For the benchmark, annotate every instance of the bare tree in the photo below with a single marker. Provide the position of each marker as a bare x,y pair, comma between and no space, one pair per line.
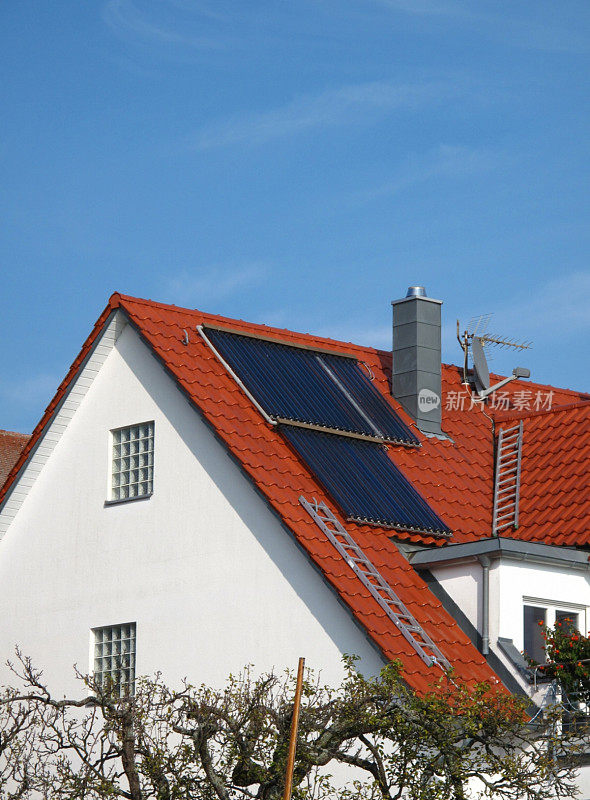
18,723
231,744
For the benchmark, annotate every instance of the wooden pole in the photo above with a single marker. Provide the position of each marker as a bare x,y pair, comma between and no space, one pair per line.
294,729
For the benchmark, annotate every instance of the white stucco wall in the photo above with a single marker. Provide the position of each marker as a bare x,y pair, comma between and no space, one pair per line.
462,582
538,584
203,567
513,584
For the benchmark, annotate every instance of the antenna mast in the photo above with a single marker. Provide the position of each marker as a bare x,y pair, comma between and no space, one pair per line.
476,340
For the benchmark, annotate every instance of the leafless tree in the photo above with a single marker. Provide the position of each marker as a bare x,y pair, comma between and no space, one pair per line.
200,743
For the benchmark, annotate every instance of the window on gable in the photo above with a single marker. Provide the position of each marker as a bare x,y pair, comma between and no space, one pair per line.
114,658
133,462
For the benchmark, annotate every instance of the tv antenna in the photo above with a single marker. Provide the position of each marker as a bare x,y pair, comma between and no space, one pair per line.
476,340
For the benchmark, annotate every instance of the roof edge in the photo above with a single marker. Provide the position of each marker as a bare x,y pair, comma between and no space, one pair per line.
510,416
78,363
513,549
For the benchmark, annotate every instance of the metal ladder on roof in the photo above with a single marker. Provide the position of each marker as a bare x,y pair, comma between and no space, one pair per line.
507,479
362,566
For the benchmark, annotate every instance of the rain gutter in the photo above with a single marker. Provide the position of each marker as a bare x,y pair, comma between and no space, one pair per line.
511,549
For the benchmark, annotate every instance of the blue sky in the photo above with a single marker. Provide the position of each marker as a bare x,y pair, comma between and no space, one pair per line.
297,163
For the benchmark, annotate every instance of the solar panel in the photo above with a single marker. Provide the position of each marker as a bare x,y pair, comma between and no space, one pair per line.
311,387
364,481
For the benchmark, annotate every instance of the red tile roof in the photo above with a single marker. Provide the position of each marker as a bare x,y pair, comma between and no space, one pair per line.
11,446
555,478
454,475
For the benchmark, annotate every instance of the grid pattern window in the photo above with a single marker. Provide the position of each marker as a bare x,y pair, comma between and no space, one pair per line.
133,461
114,658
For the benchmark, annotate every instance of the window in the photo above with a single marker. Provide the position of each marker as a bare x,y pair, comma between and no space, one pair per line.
114,658
539,613
133,462
568,619
534,618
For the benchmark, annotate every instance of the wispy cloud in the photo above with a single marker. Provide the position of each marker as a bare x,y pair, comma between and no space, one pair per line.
128,21
427,8
545,29
551,37
214,282
208,10
554,315
558,309
444,161
350,104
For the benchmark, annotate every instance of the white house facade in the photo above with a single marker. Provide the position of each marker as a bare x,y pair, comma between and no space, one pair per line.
161,516
201,566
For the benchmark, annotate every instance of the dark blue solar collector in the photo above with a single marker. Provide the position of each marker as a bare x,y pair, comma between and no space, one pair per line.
364,481
309,386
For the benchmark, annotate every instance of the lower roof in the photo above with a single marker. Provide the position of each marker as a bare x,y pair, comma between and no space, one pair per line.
11,446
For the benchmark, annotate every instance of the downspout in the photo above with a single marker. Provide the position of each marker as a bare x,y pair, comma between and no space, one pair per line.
485,605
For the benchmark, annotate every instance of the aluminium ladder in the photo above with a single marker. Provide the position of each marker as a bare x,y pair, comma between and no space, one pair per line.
507,479
361,565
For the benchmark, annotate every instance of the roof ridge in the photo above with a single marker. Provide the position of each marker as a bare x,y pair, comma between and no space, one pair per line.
318,341
509,416
310,338
259,326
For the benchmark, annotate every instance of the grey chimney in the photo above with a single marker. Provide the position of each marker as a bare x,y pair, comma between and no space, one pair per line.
416,373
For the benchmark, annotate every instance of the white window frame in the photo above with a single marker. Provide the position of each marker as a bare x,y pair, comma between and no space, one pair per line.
97,655
113,496
552,607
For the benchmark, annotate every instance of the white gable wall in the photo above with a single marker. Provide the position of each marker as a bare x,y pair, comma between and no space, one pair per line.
203,567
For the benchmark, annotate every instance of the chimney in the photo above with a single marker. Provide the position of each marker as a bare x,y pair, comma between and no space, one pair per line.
416,373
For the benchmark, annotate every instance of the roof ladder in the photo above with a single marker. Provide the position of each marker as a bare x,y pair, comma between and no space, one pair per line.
507,480
361,565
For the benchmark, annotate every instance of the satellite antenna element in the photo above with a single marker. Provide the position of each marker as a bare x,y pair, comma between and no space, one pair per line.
473,340
481,372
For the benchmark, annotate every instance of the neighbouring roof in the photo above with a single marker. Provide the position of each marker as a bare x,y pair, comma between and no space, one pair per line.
454,475
11,446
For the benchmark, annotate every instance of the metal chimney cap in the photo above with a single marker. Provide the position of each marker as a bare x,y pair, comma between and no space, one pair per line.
416,291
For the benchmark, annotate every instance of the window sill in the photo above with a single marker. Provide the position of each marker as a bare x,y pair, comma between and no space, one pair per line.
127,500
